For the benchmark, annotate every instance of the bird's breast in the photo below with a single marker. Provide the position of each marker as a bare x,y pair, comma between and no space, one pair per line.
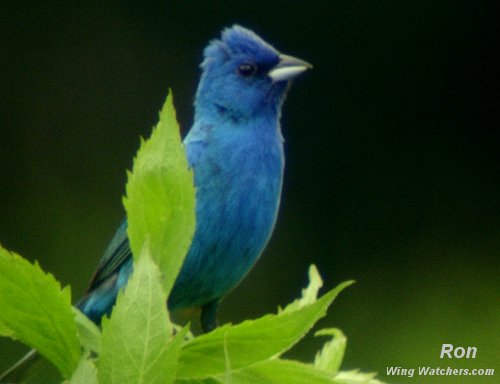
238,187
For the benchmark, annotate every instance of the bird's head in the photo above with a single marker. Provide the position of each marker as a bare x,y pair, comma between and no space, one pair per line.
244,76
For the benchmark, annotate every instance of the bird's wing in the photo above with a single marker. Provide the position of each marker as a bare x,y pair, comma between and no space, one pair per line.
115,255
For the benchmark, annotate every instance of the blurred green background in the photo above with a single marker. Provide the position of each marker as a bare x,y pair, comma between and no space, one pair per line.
392,167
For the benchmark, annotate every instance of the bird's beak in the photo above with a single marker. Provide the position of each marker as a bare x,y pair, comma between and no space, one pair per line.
288,68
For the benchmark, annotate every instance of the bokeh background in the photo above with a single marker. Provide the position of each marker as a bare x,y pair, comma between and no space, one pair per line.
392,166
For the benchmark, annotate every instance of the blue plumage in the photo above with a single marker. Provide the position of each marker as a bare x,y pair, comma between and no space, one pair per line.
235,148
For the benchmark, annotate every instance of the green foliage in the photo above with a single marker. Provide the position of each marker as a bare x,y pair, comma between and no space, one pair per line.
254,341
160,200
35,310
138,343
5,331
85,373
330,357
88,333
279,371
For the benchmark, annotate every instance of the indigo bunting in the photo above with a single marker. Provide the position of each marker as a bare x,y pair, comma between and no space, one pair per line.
235,148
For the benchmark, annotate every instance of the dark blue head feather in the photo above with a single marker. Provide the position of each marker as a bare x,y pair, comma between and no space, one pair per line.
239,41
222,87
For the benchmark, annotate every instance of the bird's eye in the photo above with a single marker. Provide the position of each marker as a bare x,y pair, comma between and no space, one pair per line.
247,69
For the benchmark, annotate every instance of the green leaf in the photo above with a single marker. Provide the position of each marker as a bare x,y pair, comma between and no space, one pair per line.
310,293
136,343
331,356
85,373
38,312
251,341
356,377
160,200
6,331
88,333
279,371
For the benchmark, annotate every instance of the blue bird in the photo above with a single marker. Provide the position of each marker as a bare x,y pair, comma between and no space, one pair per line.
235,148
